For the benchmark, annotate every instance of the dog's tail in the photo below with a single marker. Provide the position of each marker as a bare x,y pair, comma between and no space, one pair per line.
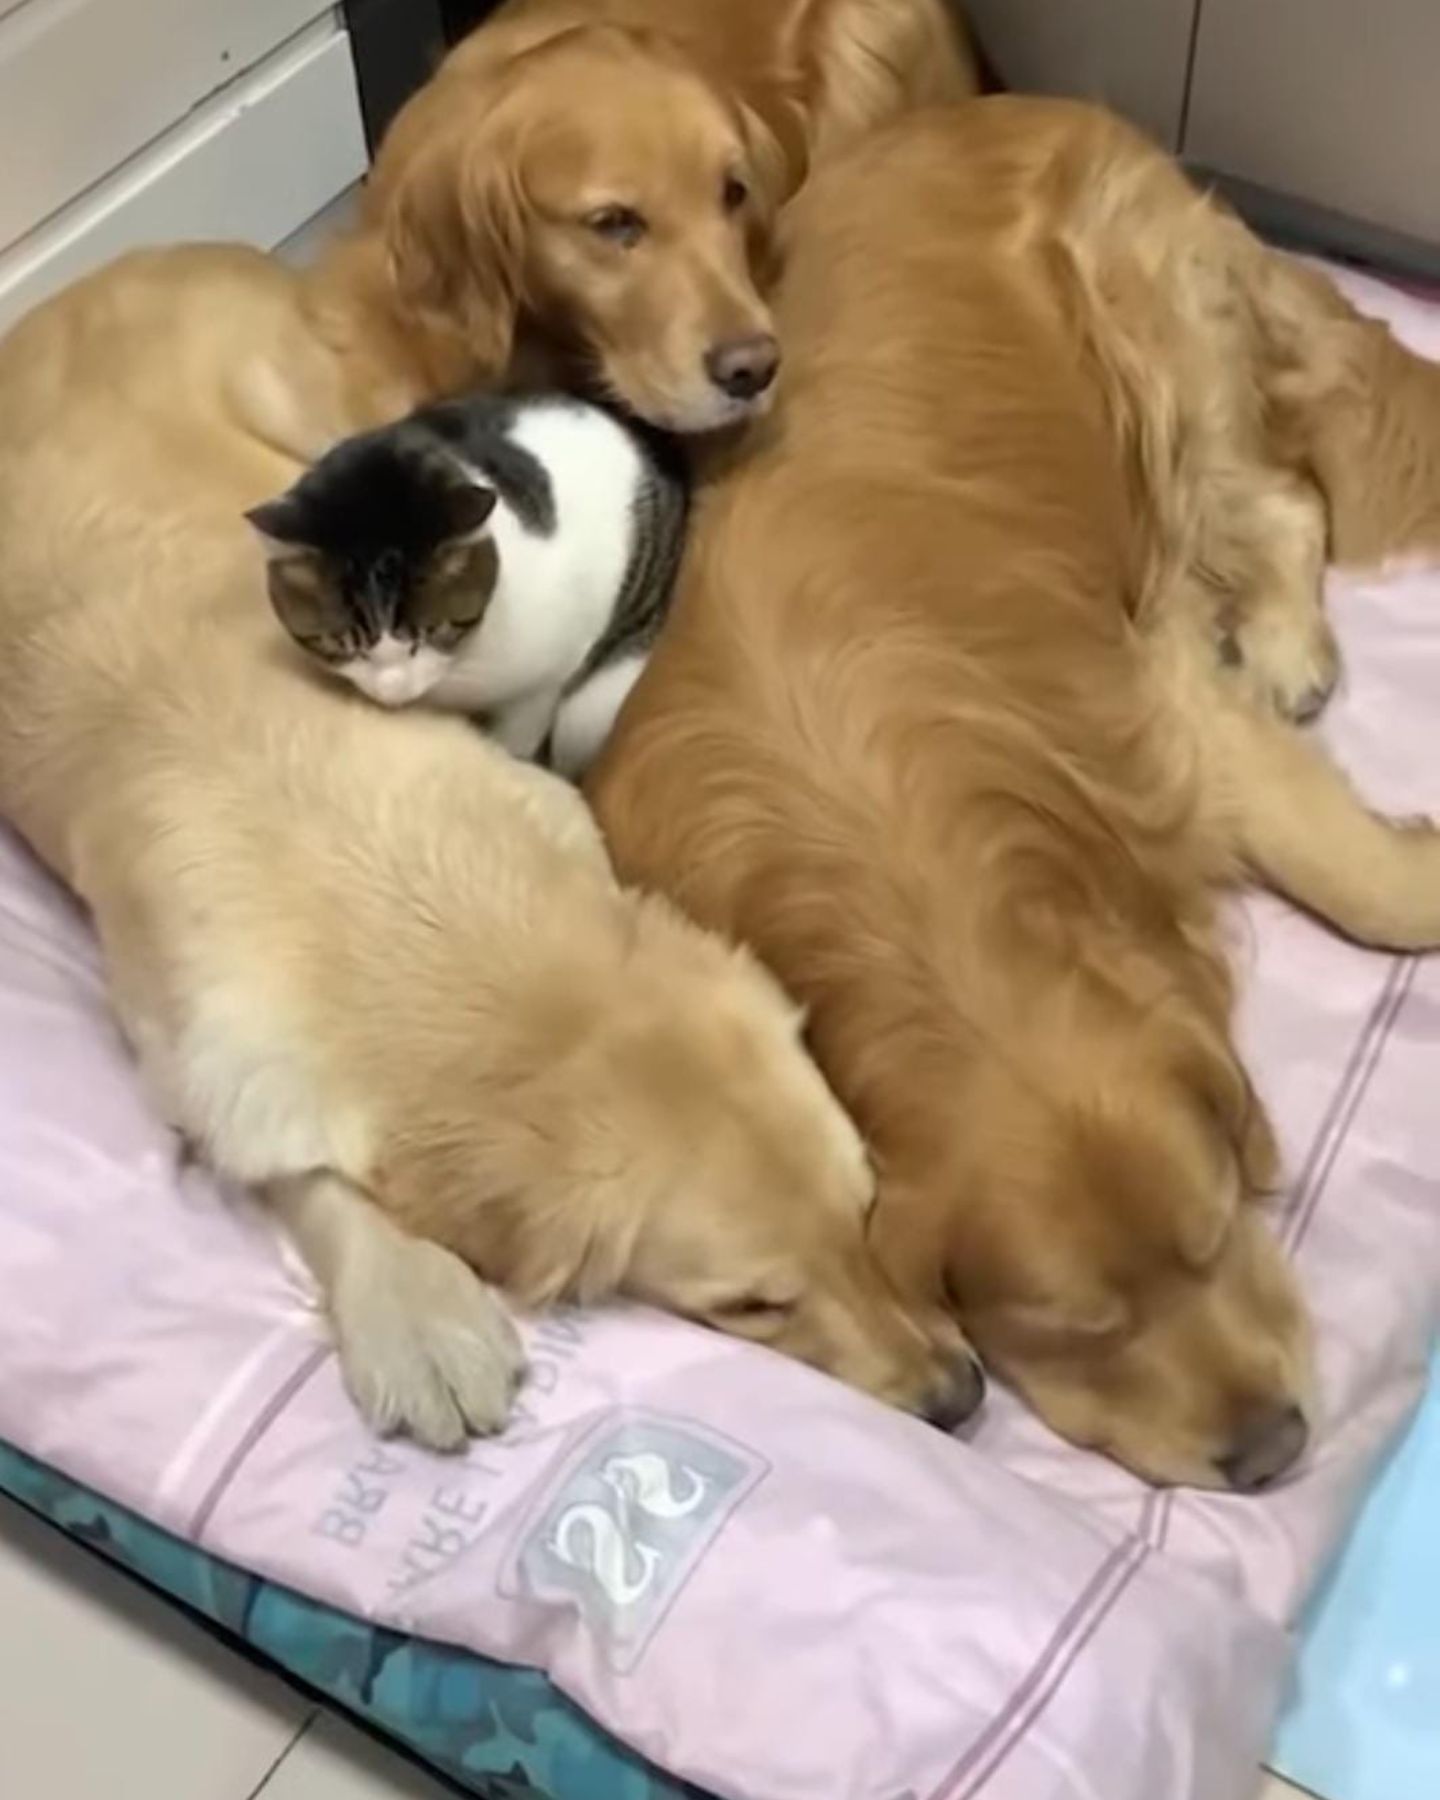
1357,409
1303,830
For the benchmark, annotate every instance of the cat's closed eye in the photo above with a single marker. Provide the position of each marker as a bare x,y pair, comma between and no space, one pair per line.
451,565
459,586
326,647
301,597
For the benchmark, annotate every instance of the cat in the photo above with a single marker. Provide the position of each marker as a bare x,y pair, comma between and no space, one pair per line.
509,558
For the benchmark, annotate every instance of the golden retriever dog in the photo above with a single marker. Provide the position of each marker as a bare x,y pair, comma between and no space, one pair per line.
491,237
966,720
371,966
316,928
586,192
591,210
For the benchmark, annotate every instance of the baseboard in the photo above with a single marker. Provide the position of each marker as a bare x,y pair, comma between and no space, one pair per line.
1302,225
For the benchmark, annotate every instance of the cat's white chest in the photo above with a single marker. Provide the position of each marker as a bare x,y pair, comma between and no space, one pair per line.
556,591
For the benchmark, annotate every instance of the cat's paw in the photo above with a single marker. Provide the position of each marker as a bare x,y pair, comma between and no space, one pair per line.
1289,664
427,1349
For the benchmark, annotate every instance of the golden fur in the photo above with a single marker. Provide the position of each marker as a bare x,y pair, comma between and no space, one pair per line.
366,959
472,202
370,965
972,708
821,74
475,232
478,229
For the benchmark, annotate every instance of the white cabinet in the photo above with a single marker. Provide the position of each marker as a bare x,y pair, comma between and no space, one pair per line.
125,122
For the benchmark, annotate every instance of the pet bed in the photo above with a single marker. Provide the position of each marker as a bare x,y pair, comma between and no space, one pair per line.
752,1579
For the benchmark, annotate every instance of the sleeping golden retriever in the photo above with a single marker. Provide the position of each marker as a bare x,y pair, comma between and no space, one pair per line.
371,966
327,930
973,707
587,189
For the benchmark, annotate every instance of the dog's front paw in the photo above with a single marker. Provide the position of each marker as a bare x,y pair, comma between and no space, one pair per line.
1290,665
427,1349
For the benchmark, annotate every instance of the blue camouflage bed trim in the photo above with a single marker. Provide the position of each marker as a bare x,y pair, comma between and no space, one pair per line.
503,1733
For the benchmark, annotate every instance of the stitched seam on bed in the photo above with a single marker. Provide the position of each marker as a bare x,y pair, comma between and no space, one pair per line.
1398,992
252,1435
1028,1700
1331,1134
1105,1588
1340,1101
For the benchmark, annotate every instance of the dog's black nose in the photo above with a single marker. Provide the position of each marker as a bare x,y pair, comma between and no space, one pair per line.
744,367
1269,1440
959,1395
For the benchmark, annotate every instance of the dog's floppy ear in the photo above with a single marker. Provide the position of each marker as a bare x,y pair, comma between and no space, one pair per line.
777,152
452,221
1063,1297
777,161
1066,1304
1242,1159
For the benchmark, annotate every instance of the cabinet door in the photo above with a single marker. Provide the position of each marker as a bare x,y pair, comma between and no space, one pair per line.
251,164
1131,53
1330,101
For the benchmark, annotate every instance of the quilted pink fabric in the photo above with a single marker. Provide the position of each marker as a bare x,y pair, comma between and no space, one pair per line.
761,1581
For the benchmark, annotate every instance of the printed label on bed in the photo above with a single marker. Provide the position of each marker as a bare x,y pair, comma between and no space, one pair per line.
630,1519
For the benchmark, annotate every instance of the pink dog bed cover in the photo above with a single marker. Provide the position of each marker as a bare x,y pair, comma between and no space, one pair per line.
762,1582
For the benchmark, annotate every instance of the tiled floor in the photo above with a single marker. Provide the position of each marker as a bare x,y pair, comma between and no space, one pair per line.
110,1694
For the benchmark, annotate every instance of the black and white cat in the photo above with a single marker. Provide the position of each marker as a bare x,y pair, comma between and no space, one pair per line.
511,559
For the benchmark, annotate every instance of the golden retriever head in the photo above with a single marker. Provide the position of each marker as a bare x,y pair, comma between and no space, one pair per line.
1103,1245
598,191
703,1166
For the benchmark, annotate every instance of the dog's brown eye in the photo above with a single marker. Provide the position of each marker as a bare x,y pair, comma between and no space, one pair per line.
617,225
734,194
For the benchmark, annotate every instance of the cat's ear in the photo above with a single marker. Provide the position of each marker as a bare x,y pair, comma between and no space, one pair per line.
280,526
468,505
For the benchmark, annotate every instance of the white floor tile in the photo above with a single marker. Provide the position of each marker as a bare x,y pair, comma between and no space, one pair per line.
109,1692
334,1761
